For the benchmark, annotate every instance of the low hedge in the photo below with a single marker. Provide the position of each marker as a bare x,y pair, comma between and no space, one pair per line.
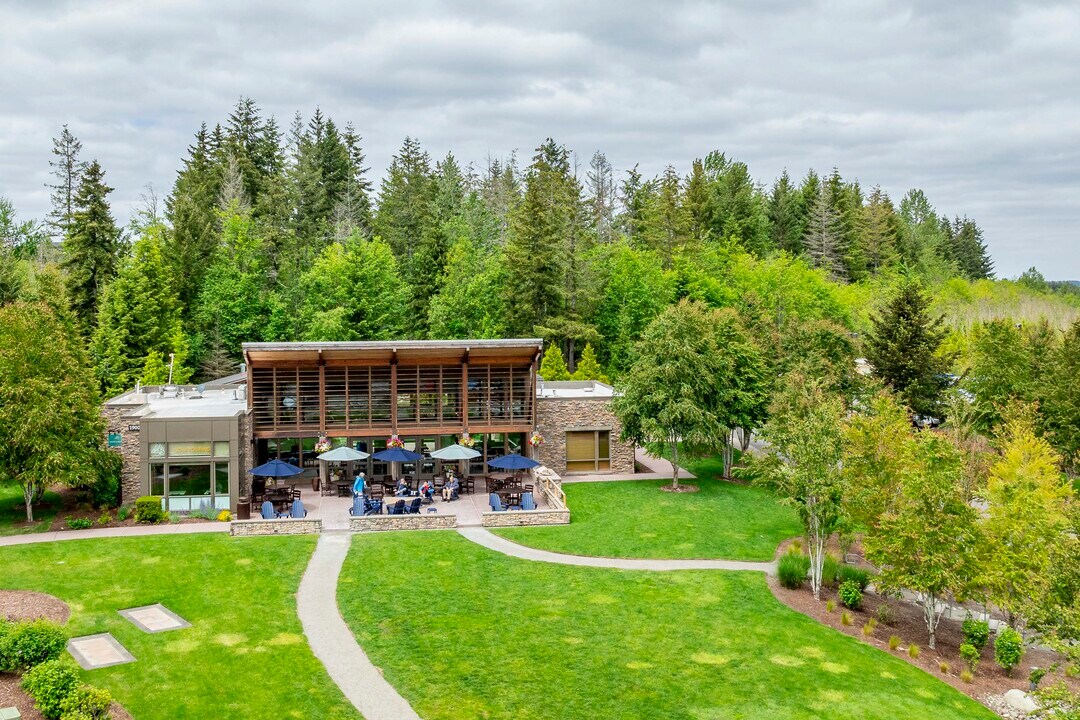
26,644
148,510
50,684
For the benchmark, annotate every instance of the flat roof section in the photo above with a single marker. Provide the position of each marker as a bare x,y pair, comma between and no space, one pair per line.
223,403
573,390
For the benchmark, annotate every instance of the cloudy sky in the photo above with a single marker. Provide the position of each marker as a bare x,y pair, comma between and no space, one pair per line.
975,101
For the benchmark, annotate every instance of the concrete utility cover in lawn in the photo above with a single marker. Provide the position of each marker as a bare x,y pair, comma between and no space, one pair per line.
98,651
154,618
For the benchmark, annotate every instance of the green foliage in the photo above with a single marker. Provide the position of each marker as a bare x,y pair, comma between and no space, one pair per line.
894,641
1008,649
28,643
588,368
1060,398
913,651
148,510
553,366
850,594
791,570
903,347
50,421
122,513
1009,364
79,523
830,571
86,703
976,632
91,246
884,613
850,573
469,303
970,655
50,684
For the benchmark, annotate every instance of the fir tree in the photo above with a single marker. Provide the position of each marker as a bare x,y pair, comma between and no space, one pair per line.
67,169
666,226
634,196
600,184
822,235
553,366
903,350
881,236
588,367
405,197
429,261
967,250
787,215
736,208
696,201
92,245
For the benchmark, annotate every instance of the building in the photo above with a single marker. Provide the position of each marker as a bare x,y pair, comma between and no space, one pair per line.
195,447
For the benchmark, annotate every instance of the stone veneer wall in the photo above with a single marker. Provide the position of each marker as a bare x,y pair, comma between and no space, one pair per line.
555,416
284,526
117,421
518,518
245,455
379,523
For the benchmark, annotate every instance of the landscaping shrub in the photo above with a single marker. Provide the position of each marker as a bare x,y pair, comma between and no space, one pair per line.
829,606
849,573
224,516
884,614
49,684
966,676
976,632
1008,649
845,618
148,510
31,642
868,629
86,702
969,654
830,571
1036,676
792,570
104,518
913,651
850,594
894,642
105,491
79,523
943,667
122,513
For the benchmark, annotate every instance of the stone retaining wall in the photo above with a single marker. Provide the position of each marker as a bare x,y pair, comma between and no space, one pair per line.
379,523
518,518
284,526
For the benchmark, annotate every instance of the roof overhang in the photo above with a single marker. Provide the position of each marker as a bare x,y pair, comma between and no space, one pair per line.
402,352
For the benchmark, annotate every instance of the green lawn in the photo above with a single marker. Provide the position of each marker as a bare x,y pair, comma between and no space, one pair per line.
464,632
244,657
13,511
636,519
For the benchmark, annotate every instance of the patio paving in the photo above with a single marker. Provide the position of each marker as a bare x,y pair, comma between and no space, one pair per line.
98,651
154,618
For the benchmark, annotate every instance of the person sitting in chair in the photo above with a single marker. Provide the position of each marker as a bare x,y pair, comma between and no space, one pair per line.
358,484
402,488
427,490
450,489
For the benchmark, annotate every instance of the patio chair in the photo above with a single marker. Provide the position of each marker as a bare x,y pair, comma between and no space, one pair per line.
495,503
397,508
359,506
414,507
376,492
268,512
298,509
258,490
296,493
468,485
527,502
373,507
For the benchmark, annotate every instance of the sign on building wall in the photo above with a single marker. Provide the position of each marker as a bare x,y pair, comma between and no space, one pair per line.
115,440
189,449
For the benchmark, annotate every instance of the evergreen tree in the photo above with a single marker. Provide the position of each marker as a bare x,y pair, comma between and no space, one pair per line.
1060,398
903,349
352,211
696,201
138,315
736,208
67,169
666,226
787,215
428,263
588,367
967,250
191,211
324,178
553,366
470,301
848,202
822,237
405,199
881,234
600,185
92,245
500,191
634,196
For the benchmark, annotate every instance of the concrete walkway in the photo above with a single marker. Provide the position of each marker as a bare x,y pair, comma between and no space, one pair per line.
481,536
127,531
332,641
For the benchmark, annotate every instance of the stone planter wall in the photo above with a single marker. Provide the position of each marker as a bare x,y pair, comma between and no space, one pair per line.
380,523
284,526
520,518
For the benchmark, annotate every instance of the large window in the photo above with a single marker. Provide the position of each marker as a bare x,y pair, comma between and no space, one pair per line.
588,451
191,486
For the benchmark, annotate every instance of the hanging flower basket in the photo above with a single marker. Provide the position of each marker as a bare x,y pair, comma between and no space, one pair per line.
394,442
466,440
323,445
536,439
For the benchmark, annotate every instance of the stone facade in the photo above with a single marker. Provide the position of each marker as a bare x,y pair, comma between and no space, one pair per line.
556,416
118,421
516,518
378,523
284,526
245,453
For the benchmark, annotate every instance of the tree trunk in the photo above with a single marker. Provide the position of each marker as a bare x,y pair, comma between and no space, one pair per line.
744,437
931,616
816,547
674,463
729,453
28,497
571,365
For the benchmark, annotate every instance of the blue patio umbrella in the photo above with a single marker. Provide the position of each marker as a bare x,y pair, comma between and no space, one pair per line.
396,454
275,468
513,461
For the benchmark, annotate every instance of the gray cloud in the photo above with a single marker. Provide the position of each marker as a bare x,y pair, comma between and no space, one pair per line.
975,102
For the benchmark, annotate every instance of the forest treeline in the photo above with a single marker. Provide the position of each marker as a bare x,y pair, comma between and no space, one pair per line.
282,234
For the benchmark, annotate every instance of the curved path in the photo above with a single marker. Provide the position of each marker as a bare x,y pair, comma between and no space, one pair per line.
481,536
332,641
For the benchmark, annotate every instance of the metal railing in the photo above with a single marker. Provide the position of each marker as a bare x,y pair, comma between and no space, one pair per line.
550,485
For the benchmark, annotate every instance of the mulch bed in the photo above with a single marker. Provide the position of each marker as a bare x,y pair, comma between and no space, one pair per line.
908,624
683,488
27,605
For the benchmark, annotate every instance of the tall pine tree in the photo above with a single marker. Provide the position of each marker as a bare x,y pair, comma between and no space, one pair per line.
92,246
67,169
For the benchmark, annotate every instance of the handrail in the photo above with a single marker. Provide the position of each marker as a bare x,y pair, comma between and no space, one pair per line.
550,486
